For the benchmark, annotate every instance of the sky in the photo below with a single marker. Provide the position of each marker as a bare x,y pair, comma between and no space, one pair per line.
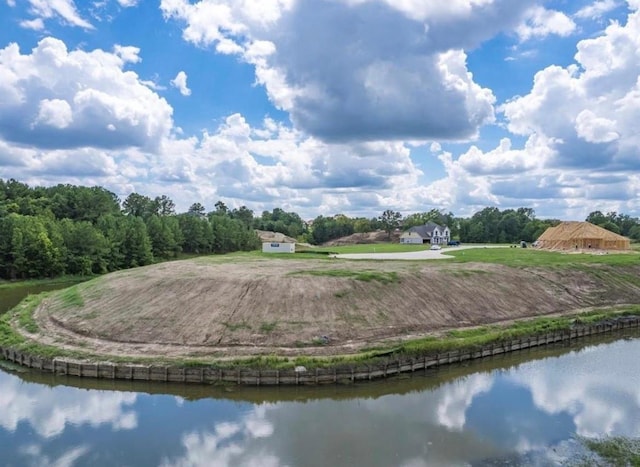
328,106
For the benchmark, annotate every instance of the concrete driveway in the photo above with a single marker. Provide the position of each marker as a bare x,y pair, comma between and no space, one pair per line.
415,255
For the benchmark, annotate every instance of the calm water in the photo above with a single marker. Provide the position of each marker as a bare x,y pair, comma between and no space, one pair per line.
11,296
521,409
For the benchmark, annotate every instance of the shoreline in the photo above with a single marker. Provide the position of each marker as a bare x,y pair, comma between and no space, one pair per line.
373,367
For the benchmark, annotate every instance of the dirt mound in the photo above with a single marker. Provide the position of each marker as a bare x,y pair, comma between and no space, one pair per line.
216,307
266,236
379,236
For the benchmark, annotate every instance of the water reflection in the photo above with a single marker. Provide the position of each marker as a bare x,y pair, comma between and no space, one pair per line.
34,456
600,394
48,412
505,411
229,444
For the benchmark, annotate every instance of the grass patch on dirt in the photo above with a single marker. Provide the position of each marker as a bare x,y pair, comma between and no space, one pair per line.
25,313
268,327
365,276
465,272
236,326
616,450
70,297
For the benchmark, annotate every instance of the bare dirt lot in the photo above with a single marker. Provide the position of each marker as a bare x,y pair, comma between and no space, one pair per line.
255,306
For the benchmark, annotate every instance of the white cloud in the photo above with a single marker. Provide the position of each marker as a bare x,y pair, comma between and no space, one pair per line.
594,129
55,98
128,3
180,83
541,22
36,24
588,111
63,9
128,54
344,83
54,112
597,9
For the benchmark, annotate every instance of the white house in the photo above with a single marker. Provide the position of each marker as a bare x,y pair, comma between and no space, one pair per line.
278,247
428,233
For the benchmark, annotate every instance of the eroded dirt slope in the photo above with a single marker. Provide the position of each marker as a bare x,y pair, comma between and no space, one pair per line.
262,306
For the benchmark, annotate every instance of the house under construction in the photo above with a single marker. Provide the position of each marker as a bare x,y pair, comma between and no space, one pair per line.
579,236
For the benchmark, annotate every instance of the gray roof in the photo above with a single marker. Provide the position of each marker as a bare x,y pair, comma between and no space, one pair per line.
425,231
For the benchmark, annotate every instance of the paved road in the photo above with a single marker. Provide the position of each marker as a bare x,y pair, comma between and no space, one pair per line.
414,255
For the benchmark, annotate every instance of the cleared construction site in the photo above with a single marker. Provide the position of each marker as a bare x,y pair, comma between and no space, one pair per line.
581,236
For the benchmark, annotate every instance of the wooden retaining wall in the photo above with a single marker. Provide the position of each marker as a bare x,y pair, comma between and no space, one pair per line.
338,374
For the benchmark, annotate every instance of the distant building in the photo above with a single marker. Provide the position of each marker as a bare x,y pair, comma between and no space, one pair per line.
429,233
581,236
278,247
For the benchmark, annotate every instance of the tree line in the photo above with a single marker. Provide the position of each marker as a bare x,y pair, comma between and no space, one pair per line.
68,229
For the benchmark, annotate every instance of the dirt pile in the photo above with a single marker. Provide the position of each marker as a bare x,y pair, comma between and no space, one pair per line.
257,306
379,236
266,236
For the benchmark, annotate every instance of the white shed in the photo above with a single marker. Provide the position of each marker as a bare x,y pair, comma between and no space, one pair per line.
278,247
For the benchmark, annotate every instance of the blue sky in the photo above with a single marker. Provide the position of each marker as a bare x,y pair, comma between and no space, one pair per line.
328,106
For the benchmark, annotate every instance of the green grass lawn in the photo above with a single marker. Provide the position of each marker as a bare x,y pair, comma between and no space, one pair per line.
516,257
534,257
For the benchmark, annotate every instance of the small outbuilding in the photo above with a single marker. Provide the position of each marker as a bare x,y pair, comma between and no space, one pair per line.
581,236
278,247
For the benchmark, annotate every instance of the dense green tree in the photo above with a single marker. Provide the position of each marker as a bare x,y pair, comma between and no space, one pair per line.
30,252
164,206
244,215
81,203
196,209
634,233
197,234
288,223
162,234
139,206
136,246
390,221
597,218
86,249
611,226
362,225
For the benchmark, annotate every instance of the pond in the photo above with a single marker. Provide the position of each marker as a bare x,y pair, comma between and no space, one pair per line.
11,294
525,408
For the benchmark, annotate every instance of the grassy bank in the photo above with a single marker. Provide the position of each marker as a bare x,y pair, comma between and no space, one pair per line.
462,339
